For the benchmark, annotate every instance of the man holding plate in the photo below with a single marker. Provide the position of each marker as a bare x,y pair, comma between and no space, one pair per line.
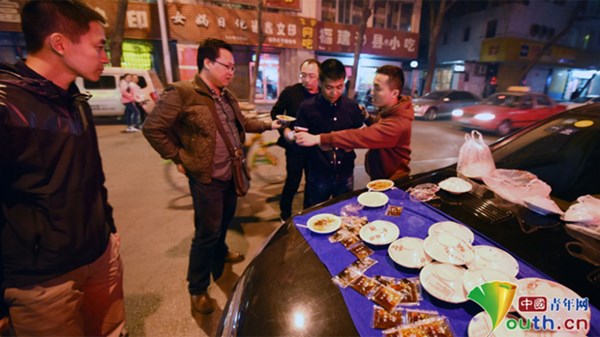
388,133
296,158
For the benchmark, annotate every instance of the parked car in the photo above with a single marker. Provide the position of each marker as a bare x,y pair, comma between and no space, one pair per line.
505,111
439,104
579,101
106,95
287,291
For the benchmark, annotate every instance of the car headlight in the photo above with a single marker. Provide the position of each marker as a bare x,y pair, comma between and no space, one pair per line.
485,116
457,112
416,106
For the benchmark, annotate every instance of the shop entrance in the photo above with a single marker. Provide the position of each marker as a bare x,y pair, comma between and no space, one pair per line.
267,80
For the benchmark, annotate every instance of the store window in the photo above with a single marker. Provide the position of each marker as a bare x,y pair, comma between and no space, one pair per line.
491,28
388,14
328,10
267,80
467,34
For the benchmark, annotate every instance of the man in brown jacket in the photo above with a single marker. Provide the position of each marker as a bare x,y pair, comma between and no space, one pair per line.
387,135
183,128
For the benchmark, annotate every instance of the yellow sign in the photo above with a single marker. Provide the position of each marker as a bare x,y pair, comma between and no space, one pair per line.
584,124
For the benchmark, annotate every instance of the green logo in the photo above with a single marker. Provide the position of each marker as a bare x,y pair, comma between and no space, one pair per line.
495,298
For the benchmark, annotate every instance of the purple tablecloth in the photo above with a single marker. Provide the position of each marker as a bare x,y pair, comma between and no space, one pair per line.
414,221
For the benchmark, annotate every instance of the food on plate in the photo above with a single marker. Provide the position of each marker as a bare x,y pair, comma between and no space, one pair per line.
324,223
380,185
285,118
455,185
372,199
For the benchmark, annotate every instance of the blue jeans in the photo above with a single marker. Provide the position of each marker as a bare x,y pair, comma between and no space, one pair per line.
214,209
321,188
132,114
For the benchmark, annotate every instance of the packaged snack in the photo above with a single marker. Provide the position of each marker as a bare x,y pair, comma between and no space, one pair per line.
386,297
415,315
394,210
408,288
351,209
361,251
365,285
350,241
339,235
364,264
383,319
353,224
346,276
433,327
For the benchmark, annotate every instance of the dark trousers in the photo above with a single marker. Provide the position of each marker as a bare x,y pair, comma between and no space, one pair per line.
132,114
214,208
295,163
323,187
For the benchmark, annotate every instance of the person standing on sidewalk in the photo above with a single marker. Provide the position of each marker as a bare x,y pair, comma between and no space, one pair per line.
183,127
140,98
132,115
61,271
296,158
331,171
387,135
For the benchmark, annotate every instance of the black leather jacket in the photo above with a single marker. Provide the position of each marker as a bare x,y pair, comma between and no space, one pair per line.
54,214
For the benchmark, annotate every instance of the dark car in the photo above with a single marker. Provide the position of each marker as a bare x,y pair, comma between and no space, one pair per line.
288,290
438,104
505,111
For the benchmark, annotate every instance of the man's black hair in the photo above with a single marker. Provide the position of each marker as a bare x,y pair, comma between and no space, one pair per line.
40,18
209,49
332,69
395,76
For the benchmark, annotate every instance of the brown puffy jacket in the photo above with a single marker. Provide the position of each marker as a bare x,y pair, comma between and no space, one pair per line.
182,128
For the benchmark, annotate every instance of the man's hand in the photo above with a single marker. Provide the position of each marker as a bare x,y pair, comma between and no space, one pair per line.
276,125
307,139
288,135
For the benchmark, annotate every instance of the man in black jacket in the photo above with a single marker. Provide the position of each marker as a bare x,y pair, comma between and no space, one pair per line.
60,266
295,157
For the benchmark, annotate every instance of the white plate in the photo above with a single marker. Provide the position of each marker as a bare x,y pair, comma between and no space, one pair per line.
461,231
444,282
324,223
373,199
488,257
380,185
379,232
477,277
408,252
550,290
543,206
447,248
285,118
481,326
455,185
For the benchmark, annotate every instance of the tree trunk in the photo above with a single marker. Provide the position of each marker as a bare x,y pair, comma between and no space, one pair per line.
572,19
436,23
116,41
261,40
366,14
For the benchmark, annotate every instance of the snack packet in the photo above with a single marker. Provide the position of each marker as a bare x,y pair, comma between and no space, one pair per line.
364,264
393,210
365,285
383,319
347,276
433,327
361,251
409,288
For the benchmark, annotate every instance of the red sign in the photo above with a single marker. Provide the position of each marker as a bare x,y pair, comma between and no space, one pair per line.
532,303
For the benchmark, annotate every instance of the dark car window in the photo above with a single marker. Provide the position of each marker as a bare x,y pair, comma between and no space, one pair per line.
465,96
526,102
543,101
561,154
435,95
105,82
506,100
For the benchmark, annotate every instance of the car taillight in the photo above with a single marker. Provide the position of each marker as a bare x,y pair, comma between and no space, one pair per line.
154,96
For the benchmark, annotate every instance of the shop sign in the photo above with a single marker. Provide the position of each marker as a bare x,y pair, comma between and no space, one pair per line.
141,19
335,37
10,17
196,23
281,4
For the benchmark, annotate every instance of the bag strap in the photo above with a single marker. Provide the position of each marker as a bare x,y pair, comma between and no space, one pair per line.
233,151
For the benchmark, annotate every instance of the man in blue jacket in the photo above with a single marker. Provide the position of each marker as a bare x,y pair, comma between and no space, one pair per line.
60,266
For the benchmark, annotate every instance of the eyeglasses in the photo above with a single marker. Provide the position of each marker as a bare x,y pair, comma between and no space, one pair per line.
229,68
309,76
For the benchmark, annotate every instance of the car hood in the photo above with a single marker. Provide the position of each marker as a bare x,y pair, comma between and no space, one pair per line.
475,109
421,101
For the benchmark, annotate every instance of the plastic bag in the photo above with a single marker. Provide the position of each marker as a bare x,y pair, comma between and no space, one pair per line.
475,158
516,185
586,210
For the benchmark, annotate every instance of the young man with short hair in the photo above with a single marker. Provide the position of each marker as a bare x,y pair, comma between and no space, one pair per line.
330,172
61,269
183,127
296,159
388,134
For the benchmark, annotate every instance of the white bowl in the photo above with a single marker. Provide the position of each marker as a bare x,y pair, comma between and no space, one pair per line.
324,223
408,252
373,199
455,185
380,185
379,232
